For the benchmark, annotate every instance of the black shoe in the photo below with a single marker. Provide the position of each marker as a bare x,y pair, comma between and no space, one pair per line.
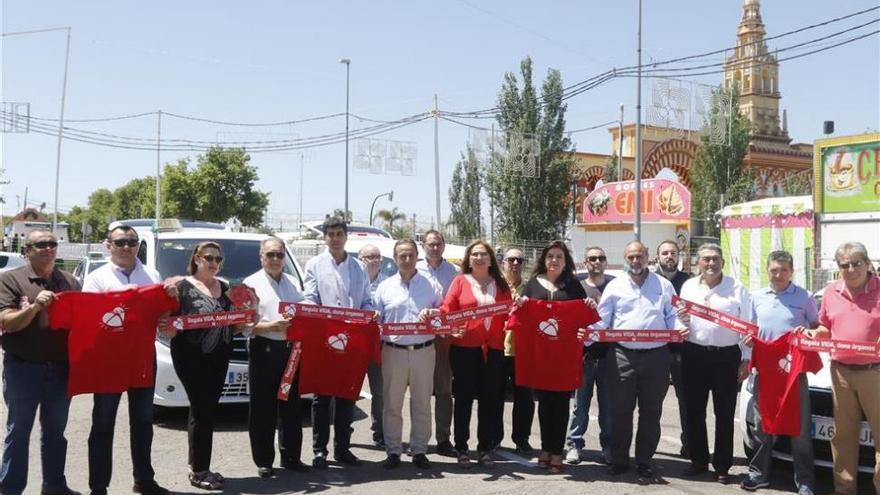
723,477
148,488
524,447
62,491
347,458
421,461
265,472
696,470
617,469
646,474
391,462
99,491
446,449
297,466
320,461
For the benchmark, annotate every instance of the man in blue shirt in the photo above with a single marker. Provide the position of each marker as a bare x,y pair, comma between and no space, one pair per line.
779,309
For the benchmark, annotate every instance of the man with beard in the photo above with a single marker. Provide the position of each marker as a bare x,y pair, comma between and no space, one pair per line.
667,267
638,372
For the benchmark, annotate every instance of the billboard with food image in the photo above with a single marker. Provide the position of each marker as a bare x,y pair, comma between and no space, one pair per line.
663,200
847,174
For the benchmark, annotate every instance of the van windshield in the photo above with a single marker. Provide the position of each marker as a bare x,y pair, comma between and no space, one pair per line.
241,258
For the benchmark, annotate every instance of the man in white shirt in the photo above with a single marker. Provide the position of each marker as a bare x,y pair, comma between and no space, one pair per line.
370,256
335,279
269,351
124,270
407,360
712,361
443,272
638,372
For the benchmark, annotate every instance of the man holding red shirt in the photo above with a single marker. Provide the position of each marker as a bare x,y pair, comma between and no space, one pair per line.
851,311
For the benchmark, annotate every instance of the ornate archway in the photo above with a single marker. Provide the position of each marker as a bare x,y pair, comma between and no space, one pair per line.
675,154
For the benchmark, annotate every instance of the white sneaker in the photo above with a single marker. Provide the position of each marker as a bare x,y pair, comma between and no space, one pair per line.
573,456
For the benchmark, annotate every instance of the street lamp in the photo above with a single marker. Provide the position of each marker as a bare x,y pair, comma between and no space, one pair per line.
390,195
347,63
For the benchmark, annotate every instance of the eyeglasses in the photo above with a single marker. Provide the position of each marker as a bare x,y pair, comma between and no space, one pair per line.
274,255
593,259
514,259
44,244
210,258
479,255
371,257
852,264
125,242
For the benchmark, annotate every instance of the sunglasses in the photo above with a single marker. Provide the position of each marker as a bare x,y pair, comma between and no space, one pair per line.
593,259
210,258
514,259
125,243
853,264
274,255
44,244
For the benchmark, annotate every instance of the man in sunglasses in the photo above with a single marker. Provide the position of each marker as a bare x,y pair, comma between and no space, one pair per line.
123,271
523,398
269,352
593,371
851,311
370,256
35,367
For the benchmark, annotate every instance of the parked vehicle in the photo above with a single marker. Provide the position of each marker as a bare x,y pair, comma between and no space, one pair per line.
9,260
169,252
88,264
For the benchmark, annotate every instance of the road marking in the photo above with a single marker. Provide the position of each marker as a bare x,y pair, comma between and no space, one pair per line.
366,395
510,456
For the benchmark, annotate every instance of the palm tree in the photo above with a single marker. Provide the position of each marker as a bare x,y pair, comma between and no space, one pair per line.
391,216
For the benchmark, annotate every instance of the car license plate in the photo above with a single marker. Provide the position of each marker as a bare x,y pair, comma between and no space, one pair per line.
236,377
823,429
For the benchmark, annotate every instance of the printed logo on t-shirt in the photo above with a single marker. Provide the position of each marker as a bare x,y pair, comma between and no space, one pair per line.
338,341
113,320
549,327
785,364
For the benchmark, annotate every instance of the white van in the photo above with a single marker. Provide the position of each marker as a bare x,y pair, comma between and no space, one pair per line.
169,252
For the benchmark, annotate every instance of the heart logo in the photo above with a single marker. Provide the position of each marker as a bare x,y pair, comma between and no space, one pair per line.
178,324
785,364
115,318
285,388
290,311
436,322
338,341
549,327
594,336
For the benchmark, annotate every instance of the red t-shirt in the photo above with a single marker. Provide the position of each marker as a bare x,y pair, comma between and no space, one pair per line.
110,345
779,364
335,355
548,352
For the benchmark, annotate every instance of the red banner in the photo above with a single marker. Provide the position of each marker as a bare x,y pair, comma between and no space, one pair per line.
717,317
422,328
289,372
292,310
208,320
841,346
463,315
615,335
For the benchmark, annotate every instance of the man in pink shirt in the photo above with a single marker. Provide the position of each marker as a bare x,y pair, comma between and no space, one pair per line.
851,311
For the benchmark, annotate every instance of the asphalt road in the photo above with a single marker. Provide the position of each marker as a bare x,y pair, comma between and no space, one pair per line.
511,474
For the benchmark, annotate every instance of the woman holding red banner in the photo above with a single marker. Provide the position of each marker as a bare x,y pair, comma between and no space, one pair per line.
477,353
553,279
201,357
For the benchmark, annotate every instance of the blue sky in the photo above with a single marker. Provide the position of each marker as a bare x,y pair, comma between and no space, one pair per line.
276,61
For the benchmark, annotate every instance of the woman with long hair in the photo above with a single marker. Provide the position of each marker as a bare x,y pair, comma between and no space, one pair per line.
201,358
477,353
553,279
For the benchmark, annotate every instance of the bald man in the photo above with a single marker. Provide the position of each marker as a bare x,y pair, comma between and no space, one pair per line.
372,260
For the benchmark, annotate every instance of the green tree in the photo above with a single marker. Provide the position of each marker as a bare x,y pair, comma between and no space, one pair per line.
339,213
136,199
223,187
532,207
464,196
718,177
391,216
610,173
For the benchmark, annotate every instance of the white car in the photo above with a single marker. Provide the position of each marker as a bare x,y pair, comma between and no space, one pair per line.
822,426
9,260
169,252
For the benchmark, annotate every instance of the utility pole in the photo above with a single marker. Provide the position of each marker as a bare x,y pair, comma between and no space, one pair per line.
437,162
637,226
158,167
347,63
3,182
61,131
620,145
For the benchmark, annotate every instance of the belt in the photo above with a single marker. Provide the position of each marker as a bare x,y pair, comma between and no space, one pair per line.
410,347
858,367
640,350
713,348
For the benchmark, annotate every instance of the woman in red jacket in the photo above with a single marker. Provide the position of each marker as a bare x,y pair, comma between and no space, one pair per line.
477,354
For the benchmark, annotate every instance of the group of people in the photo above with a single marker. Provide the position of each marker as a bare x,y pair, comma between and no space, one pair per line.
474,364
